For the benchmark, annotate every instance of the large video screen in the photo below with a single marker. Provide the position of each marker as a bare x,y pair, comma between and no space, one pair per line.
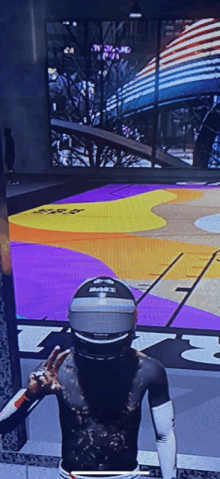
161,239
134,93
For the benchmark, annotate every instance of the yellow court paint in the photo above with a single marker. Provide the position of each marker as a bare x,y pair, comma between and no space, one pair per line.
130,257
119,216
185,195
214,270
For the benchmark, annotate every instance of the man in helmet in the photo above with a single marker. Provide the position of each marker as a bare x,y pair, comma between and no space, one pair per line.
100,383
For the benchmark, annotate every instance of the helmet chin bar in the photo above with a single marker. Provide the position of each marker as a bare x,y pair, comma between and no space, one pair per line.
100,338
102,349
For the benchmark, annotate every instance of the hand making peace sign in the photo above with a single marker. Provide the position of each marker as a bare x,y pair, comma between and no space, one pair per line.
44,379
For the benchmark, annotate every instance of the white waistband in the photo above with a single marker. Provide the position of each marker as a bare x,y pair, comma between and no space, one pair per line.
122,475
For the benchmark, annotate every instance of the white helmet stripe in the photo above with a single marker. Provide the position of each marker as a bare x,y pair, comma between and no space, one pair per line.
101,341
113,305
99,322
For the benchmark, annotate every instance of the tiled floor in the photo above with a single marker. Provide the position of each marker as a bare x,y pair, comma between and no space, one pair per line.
41,473
15,471
9,471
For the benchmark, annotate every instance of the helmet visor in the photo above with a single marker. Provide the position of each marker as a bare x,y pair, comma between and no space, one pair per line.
101,346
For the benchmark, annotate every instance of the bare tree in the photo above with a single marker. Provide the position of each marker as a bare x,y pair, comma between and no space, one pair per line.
88,65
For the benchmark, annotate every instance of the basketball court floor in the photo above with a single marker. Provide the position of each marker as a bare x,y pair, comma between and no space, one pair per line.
163,240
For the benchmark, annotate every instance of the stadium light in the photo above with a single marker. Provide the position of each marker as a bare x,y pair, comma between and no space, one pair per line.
135,11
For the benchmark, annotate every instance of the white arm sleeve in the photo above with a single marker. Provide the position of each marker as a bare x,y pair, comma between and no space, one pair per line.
17,409
163,421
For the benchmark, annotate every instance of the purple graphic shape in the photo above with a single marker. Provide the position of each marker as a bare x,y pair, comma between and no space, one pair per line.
46,277
194,318
110,193
155,311
118,191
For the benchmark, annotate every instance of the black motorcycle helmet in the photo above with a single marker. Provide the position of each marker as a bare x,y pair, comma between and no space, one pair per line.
102,317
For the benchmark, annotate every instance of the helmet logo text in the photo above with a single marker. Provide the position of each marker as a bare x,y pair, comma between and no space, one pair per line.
100,280
102,289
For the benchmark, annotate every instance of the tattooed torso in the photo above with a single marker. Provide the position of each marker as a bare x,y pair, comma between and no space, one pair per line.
100,411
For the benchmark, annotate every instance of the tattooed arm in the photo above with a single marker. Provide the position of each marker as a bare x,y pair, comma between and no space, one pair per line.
42,382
